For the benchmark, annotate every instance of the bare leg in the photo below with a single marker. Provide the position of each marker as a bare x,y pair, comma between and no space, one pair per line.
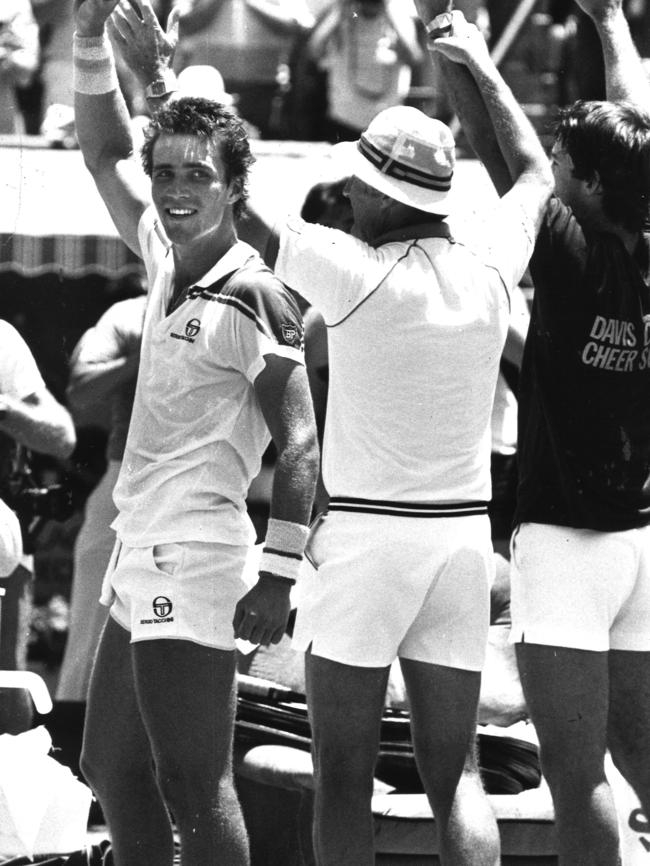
443,721
629,719
16,713
117,762
345,706
567,691
186,694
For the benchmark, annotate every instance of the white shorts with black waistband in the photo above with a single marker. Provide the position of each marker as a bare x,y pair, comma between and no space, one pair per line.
392,583
580,589
184,590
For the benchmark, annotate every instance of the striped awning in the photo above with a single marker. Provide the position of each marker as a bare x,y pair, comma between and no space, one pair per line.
66,255
52,219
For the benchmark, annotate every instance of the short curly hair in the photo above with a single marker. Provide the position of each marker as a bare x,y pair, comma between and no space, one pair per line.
204,118
611,140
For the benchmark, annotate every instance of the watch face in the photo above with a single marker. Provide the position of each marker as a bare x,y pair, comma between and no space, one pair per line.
157,88
440,26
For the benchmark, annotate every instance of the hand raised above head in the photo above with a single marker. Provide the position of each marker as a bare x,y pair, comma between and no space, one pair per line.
145,47
90,16
465,44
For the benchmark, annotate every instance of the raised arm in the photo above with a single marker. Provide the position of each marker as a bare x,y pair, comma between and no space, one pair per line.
521,150
625,76
38,421
467,103
103,123
146,48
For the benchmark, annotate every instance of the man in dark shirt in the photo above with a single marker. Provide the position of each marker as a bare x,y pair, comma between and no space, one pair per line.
581,548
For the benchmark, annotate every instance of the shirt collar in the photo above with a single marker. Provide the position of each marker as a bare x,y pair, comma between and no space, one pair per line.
411,233
236,256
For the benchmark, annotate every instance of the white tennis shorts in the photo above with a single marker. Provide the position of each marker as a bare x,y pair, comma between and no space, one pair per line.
185,590
580,588
387,587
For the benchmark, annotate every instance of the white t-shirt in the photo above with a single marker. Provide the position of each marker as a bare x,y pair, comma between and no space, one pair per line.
365,73
19,377
197,433
415,333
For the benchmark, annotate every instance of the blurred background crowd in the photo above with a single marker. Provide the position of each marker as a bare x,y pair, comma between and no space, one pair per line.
310,69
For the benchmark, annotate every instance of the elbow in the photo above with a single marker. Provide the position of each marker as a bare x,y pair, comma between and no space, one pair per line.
305,453
63,446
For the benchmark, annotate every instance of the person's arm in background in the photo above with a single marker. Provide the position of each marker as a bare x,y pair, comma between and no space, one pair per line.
101,361
19,50
625,76
38,421
283,393
29,413
401,20
103,124
325,28
287,16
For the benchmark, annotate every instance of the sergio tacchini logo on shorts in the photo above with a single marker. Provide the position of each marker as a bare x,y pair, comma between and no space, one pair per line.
162,608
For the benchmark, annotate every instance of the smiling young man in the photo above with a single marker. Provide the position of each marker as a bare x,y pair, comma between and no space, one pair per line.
581,547
221,373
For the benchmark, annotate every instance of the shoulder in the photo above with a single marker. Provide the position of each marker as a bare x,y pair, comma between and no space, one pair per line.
255,285
260,297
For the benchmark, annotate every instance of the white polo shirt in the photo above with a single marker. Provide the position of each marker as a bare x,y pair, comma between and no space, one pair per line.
197,433
415,331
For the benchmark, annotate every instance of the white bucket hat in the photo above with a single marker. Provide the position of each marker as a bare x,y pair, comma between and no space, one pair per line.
408,156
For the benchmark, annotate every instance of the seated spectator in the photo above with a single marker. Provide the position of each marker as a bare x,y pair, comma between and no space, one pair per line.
18,59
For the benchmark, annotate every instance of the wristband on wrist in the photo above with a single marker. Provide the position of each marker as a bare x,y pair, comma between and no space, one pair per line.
283,549
94,65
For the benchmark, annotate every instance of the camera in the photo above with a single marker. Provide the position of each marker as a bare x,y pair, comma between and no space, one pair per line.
35,505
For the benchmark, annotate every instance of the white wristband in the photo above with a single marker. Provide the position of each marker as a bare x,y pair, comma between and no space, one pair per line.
283,549
94,65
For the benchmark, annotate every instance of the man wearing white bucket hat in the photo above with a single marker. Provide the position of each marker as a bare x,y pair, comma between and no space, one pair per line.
403,559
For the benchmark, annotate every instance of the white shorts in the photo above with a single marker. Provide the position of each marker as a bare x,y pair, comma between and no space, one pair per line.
388,587
580,588
185,590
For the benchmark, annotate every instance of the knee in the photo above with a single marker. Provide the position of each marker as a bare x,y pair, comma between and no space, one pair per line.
343,770
108,769
189,784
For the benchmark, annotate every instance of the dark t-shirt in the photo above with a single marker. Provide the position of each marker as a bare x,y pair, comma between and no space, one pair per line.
584,403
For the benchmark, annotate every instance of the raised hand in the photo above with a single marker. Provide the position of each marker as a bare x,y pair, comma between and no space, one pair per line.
465,45
145,47
91,15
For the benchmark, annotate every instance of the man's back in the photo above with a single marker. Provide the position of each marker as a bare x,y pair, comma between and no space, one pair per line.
415,332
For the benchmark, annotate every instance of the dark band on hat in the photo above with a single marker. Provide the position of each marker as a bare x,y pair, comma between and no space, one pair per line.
400,171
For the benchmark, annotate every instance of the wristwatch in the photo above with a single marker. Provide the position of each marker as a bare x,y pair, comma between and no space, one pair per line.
161,86
441,25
